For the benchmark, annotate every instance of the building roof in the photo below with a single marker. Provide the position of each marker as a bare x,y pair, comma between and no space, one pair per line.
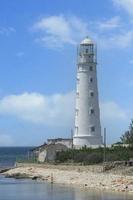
59,139
86,41
39,147
55,145
46,146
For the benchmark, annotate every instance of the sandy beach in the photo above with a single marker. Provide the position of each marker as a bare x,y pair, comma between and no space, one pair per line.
81,176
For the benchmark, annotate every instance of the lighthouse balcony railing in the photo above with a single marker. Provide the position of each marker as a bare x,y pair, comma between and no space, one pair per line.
84,61
87,58
83,69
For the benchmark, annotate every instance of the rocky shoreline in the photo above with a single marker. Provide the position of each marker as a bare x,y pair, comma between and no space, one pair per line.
81,176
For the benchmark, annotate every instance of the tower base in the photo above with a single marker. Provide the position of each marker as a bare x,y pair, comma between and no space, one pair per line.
88,141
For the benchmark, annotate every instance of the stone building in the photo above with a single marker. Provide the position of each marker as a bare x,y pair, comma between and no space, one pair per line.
46,152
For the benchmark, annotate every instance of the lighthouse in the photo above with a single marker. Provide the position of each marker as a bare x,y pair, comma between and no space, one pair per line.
87,114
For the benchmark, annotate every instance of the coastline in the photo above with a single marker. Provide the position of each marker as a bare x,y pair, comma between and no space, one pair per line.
90,177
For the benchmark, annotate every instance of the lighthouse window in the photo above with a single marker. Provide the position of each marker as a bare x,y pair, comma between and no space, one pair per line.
91,48
92,128
92,94
91,68
77,111
91,111
91,79
78,80
86,50
76,130
77,94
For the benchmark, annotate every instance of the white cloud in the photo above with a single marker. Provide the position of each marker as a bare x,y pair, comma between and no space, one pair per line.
112,33
54,110
112,111
119,40
127,5
20,54
108,38
6,140
131,62
112,23
55,31
11,29
116,120
57,110
130,83
7,30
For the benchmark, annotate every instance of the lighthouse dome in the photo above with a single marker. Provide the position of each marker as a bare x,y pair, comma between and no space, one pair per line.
86,41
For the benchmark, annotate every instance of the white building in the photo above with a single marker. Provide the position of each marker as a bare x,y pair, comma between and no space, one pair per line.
87,118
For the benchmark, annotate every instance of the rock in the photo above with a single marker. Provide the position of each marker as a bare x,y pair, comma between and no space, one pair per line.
34,178
18,176
4,170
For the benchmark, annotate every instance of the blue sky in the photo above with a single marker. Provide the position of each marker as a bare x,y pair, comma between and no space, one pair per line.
38,41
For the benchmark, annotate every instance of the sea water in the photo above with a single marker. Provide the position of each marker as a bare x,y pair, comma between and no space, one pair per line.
16,189
9,155
12,189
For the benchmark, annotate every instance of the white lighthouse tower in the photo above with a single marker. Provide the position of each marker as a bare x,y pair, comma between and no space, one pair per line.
87,116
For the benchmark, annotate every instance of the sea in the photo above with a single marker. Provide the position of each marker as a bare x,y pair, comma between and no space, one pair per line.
9,155
25,189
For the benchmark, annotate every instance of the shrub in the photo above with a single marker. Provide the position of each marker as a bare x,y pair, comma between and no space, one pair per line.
94,156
